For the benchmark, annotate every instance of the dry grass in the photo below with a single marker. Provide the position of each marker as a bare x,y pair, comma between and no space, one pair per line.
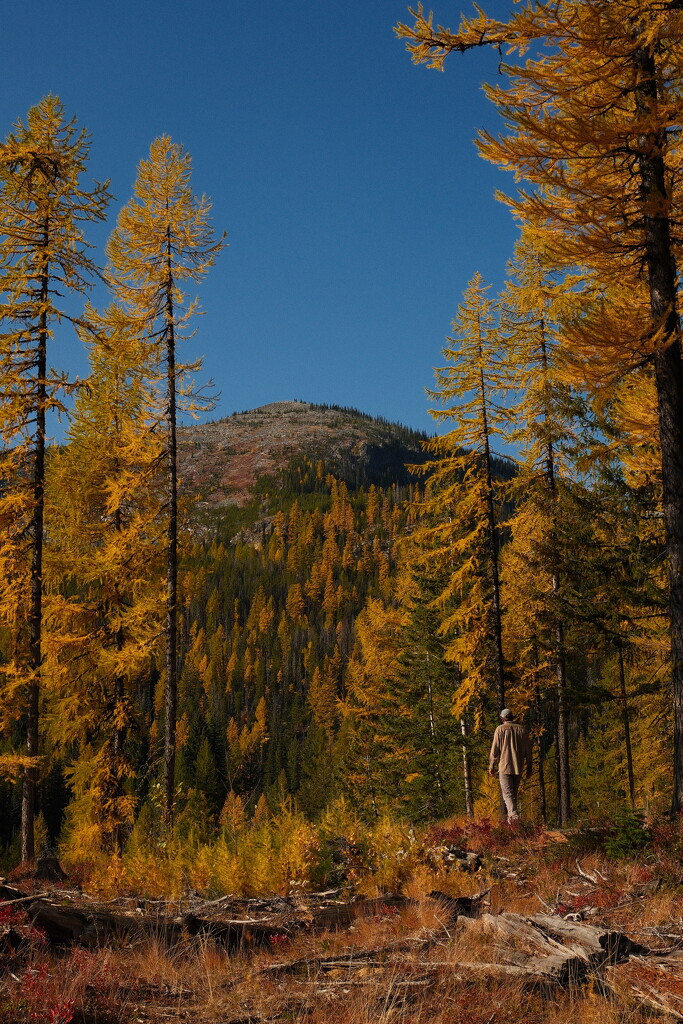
415,984
410,973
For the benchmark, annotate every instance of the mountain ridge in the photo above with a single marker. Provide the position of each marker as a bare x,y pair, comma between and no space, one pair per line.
223,459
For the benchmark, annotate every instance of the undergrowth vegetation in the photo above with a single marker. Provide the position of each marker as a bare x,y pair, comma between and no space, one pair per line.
623,872
285,853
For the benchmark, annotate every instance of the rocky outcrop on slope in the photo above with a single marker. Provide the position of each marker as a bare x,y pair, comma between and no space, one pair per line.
222,460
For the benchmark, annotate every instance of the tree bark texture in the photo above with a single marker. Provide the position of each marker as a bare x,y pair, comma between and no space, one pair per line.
563,793
467,771
661,270
35,615
172,560
543,807
432,737
492,538
557,763
563,779
627,728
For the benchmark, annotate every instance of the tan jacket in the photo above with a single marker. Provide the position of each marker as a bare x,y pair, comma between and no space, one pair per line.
511,744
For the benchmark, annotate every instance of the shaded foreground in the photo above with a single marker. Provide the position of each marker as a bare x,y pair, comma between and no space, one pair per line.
535,935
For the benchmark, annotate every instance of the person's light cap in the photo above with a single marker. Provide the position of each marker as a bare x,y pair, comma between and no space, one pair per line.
506,713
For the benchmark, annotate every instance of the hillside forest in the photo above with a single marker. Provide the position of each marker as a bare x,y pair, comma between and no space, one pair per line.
188,686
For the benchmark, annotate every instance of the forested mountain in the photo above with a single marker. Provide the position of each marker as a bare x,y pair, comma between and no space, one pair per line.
221,461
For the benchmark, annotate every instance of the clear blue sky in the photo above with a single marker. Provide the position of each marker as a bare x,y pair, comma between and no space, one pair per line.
355,203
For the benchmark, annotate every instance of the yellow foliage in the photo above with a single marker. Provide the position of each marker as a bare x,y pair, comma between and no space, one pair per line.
262,811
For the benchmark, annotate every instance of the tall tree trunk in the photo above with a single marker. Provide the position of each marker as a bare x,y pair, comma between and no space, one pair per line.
562,749
563,791
118,741
117,751
557,764
119,695
172,557
466,771
668,364
543,806
432,737
670,392
627,728
35,615
492,540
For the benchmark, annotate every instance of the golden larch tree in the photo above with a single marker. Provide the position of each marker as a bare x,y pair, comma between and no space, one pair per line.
593,121
458,520
104,500
164,240
545,430
44,258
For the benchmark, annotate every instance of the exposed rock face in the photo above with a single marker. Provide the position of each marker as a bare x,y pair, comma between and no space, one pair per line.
223,460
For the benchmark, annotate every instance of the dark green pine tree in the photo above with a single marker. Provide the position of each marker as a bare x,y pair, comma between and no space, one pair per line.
425,728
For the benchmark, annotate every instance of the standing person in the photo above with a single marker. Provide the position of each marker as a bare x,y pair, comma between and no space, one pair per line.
511,747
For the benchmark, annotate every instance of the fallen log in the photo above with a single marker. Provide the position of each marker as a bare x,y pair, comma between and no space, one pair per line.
550,931
551,964
8,894
564,953
656,981
542,974
14,901
607,945
342,914
461,906
654,1000
91,927
354,959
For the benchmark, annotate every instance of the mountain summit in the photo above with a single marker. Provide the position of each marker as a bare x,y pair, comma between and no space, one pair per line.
223,460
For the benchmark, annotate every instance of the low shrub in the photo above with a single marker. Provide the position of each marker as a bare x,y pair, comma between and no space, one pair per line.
484,836
628,836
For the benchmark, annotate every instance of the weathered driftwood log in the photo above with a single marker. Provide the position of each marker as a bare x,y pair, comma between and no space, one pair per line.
550,932
544,962
540,959
607,945
539,973
557,952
